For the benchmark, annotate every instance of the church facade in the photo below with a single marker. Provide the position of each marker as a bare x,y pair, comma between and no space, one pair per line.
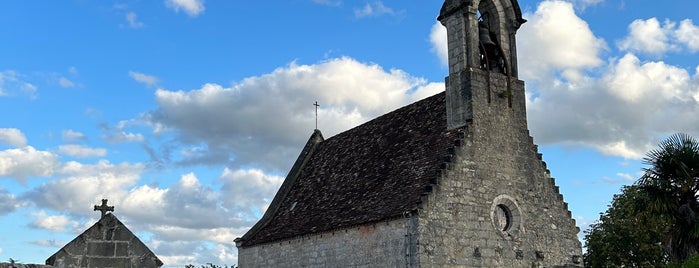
453,180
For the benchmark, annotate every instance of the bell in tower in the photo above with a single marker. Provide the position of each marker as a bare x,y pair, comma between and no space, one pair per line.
490,51
482,60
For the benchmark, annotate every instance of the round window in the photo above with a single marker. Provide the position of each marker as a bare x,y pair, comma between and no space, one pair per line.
503,217
506,216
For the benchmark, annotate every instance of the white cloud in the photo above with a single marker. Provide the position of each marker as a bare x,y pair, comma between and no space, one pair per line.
198,207
688,34
81,151
49,243
622,111
555,38
266,119
626,176
652,38
72,136
374,9
84,185
142,78
117,137
12,136
8,202
26,162
438,39
181,253
648,36
54,223
118,134
132,19
12,82
249,191
192,7
652,82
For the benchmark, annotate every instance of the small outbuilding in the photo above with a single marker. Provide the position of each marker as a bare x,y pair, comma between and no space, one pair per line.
108,243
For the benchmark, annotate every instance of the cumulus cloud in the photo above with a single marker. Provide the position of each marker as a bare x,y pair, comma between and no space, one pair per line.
142,78
438,39
81,151
70,135
249,191
688,34
266,119
620,108
575,48
656,39
374,9
27,162
83,184
8,202
198,206
648,36
622,113
192,7
186,221
54,223
12,136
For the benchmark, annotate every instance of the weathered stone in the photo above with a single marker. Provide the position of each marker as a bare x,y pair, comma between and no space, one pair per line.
108,243
450,181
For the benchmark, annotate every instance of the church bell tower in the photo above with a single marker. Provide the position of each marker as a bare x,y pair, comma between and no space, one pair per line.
482,59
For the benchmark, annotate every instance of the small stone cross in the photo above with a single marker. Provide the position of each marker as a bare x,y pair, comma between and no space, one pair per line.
104,208
316,105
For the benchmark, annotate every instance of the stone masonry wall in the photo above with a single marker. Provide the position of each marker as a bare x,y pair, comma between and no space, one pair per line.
107,244
496,164
382,244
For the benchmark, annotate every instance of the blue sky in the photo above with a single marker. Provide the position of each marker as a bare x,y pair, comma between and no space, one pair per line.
187,114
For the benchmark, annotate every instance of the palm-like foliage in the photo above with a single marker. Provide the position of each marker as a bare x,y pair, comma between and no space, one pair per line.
672,183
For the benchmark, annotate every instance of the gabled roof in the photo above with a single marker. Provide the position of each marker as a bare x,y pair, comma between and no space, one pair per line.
373,172
108,241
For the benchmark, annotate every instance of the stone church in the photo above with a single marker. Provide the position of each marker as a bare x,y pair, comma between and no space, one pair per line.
453,180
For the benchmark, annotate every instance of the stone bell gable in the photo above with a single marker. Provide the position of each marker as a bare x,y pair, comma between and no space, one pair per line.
454,180
108,243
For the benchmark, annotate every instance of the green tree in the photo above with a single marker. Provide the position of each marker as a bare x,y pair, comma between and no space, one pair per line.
625,236
672,183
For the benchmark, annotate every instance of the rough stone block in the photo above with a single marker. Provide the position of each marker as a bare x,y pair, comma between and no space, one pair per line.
100,249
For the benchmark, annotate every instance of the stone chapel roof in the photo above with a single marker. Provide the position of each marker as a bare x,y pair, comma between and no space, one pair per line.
107,243
373,172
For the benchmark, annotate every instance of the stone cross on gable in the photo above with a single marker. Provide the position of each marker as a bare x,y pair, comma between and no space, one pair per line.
316,105
104,208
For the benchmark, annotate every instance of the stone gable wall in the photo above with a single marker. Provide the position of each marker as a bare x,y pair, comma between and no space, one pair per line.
382,244
107,244
496,164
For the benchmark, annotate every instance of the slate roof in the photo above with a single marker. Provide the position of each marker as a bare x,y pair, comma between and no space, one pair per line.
373,172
